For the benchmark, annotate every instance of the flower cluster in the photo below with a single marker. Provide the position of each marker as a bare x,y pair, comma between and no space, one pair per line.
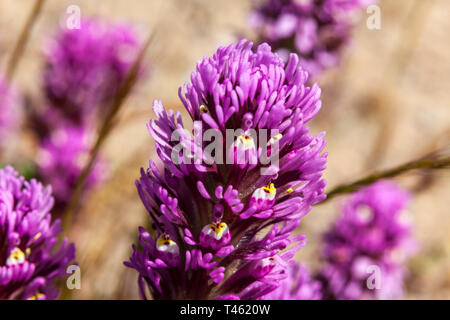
84,70
9,110
227,227
297,286
29,260
316,29
366,249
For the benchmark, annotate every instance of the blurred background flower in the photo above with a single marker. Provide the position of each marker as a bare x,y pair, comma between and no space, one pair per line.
62,156
372,236
85,68
318,30
10,111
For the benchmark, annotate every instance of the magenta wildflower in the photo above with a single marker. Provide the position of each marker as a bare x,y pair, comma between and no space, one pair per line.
297,286
9,110
61,159
29,260
84,70
315,29
85,67
366,250
221,223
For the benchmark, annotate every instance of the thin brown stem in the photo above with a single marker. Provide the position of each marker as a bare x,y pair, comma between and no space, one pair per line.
22,40
440,142
104,131
429,162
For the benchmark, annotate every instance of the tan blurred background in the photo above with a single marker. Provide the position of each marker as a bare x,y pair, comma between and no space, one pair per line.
388,103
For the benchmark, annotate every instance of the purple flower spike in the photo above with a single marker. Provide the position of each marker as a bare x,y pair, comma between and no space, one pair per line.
229,218
9,110
85,67
366,250
297,286
62,157
316,29
28,260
